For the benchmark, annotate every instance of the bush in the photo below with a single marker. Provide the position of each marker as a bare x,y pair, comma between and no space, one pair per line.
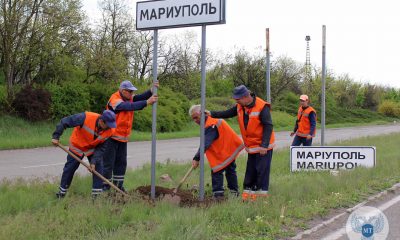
289,103
219,87
32,104
69,98
99,95
172,113
389,108
217,103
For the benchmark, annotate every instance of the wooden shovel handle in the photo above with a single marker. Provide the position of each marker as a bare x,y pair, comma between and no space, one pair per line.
183,179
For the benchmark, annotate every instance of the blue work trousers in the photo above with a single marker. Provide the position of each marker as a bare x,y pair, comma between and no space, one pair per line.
297,141
115,162
218,180
69,170
257,172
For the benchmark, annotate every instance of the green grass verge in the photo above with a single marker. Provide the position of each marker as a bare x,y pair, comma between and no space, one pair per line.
29,210
17,133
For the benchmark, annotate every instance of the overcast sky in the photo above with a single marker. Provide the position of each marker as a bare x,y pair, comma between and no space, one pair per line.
363,36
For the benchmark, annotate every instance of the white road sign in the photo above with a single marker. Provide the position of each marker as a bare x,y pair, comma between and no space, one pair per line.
179,13
331,158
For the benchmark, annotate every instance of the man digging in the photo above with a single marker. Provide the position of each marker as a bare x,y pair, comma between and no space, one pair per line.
222,146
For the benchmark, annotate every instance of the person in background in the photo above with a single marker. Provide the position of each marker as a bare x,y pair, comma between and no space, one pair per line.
306,122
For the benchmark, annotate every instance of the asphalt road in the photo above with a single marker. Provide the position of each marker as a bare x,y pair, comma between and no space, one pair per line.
48,162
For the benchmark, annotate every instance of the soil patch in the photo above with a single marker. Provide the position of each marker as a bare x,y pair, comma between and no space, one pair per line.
187,198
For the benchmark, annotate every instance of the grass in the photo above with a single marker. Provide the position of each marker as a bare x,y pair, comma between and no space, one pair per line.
29,210
17,133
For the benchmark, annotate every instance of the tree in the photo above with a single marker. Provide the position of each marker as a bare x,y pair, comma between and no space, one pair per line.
248,70
180,65
108,54
17,28
141,54
37,36
286,75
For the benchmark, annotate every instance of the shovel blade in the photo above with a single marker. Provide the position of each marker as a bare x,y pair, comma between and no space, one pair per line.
174,199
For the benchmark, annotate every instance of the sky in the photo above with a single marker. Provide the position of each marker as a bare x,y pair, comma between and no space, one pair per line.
362,36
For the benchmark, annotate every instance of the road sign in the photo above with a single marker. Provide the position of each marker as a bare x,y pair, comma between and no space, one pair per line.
331,158
179,13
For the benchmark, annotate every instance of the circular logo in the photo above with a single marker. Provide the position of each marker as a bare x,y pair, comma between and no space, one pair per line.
367,223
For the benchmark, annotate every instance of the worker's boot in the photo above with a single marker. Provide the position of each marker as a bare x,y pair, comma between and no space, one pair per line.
234,193
262,194
246,195
219,198
60,195
61,192
123,189
253,196
257,195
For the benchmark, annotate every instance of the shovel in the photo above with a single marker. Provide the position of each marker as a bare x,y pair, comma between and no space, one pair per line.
173,198
183,180
93,171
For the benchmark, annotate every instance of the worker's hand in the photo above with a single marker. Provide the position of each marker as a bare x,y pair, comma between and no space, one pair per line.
263,151
55,142
152,100
291,134
195,164
207,112
155,85
309,137
92,168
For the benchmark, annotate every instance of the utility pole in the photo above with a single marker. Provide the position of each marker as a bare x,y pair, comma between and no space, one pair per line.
308,62
268,72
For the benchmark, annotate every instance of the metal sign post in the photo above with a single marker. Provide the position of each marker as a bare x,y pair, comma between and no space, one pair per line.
154,15
154,118
323,85
268,72
203,108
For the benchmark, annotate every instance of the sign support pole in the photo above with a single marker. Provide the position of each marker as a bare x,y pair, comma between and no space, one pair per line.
154,15
268,72
323,85
154,118
203,107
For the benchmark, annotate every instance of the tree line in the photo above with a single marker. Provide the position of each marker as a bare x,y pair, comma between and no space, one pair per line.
51,44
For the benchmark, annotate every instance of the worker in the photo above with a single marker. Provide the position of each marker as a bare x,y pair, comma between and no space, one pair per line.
306,123
123,103
222,146
255,122
90,132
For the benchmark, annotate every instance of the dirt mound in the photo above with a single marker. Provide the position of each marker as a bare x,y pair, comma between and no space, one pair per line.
187,198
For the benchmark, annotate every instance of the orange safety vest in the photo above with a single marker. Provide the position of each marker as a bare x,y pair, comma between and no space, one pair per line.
124,119
84,139
225,148
303,124
252,136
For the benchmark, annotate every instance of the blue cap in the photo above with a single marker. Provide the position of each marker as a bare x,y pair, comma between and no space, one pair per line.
127,85
109,118
240,92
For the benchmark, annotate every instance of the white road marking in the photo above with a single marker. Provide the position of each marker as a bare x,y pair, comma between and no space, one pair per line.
47,165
